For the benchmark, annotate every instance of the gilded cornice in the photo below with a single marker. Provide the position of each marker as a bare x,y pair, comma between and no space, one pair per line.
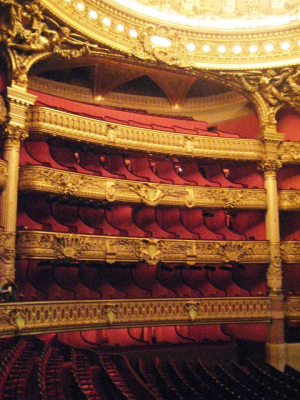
46,121
187,46
290,252
289,199
3,173
63,246
62,316
94,189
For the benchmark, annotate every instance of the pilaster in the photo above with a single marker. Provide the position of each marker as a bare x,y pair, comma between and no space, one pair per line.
276,348
13,133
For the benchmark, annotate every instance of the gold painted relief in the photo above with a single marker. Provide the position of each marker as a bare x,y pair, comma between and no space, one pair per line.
61,316
95,189
55,246
43,121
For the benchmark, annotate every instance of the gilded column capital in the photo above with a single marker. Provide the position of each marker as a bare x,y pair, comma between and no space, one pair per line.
14,134
269,166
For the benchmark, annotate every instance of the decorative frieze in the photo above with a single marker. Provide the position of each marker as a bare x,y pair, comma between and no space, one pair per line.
91,188
57,246
289,152
290,252
56,316
289,200
292,308
3,173
44,120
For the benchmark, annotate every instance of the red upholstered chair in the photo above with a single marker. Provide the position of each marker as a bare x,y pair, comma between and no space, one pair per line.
68,216
145,218
39,151
165,169
215,173
96,218
169,219
120,217
141,168
192,219
218,221
90,161
192,172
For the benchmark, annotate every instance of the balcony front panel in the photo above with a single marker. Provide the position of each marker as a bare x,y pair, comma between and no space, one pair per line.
61,316
46,121
94,189
65,246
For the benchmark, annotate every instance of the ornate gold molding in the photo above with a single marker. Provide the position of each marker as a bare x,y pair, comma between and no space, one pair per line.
289,199
93,189
3,173
243,48
7,255
292,308
61,316
58,246
290,252
289,152
42,120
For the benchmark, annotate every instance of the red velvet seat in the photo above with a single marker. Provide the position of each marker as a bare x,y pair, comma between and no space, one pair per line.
145,218
193,220
169,219
120,217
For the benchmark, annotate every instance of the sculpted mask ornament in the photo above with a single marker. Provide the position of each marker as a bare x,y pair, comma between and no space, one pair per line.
149,194
110,311
172,52
151,251
192,309
16,318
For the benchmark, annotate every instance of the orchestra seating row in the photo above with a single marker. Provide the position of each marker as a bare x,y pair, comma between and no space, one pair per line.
36,369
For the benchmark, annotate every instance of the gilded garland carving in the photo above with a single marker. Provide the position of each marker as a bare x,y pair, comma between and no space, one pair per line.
29,35
56,316
57,246
270,90
95,189
43,121
7,255
3,111
289,152
289,199
274,273
290,252
292,308
3,173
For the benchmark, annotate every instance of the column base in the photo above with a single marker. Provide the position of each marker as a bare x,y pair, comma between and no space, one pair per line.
293,355
277,355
